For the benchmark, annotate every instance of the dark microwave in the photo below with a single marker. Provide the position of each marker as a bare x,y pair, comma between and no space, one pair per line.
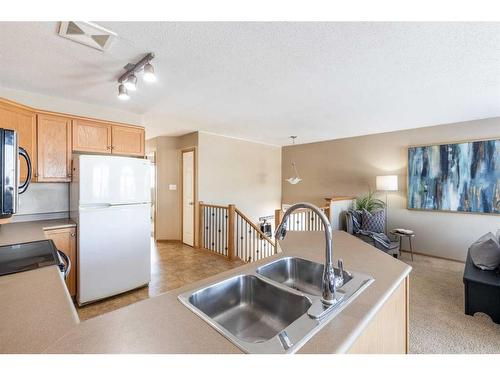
9,178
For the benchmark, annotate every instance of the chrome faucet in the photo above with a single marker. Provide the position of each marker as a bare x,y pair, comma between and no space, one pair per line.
328,282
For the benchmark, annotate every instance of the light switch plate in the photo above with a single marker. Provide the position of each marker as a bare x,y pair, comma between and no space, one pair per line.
172,187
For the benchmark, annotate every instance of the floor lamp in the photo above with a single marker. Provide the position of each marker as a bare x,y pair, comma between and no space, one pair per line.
387,183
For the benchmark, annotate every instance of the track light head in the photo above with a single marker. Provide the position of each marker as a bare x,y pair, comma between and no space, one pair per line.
149,73
131,82
122,92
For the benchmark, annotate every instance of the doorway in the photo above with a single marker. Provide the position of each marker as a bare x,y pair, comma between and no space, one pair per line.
188,196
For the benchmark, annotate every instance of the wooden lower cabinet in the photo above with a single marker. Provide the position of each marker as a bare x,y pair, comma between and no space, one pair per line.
65,241
387,333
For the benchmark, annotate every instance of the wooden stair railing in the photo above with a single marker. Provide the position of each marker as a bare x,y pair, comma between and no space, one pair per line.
226,231
303,219
251,243
214,229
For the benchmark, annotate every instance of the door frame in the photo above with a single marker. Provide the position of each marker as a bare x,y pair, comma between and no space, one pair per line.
195,192
154,153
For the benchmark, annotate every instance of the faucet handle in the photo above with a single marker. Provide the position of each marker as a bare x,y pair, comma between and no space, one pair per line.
340,266
339,279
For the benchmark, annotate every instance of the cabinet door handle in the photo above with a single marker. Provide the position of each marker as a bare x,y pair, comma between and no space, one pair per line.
72,234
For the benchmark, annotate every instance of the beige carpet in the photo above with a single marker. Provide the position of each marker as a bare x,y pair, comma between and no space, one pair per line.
437,320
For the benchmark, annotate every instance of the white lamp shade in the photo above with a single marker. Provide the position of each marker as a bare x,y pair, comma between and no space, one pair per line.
387,183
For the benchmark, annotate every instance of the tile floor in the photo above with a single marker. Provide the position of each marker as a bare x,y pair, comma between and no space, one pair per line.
173,265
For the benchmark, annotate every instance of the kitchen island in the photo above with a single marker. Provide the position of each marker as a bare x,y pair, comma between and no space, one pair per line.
375,322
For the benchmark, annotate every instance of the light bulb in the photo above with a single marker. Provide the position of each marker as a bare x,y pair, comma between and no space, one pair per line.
123,93
149,73
131,82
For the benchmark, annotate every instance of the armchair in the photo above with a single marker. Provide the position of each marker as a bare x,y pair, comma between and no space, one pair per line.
378,240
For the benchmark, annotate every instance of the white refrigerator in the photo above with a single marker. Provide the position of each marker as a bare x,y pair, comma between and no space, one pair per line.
110,200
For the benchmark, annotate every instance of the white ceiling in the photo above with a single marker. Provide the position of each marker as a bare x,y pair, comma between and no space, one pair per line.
266,81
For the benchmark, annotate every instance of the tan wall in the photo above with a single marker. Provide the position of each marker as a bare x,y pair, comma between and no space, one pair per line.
349,166
168,170
234,171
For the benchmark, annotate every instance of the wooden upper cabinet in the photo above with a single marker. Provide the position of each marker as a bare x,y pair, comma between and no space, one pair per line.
54,148
127,140
90,136
23,121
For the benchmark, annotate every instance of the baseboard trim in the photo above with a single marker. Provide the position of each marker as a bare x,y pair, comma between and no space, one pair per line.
433,256
168,241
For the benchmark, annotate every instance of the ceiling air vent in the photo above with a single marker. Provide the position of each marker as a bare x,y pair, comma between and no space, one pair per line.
87,33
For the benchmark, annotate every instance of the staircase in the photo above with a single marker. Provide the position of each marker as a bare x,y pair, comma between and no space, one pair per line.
227,231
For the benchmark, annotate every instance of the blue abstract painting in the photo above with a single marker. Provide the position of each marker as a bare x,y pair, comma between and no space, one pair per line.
461,177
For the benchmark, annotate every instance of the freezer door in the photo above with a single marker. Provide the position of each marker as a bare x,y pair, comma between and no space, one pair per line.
113,179
114,250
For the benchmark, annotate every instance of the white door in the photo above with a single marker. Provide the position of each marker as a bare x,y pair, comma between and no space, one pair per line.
113,250
188,198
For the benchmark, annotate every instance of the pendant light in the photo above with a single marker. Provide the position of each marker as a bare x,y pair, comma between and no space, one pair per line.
296,178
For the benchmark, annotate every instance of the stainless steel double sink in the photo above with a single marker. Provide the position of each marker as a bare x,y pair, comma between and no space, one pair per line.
274,308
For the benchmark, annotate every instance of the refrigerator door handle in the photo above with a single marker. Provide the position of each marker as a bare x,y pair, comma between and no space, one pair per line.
128,204
95,205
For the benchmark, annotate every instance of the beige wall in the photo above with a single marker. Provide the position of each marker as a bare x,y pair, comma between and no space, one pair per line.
349,166
234,171
168,172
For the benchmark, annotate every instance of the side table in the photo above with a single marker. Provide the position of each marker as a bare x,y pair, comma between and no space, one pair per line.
401,236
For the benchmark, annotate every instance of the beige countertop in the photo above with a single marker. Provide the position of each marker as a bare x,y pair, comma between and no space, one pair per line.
35,306
35,310
30,230
163,325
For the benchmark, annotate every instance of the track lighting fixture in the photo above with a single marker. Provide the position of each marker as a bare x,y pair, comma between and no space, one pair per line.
128,80
122,92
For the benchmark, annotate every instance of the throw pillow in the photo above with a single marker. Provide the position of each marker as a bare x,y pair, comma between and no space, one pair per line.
374,221
485,252
356,219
